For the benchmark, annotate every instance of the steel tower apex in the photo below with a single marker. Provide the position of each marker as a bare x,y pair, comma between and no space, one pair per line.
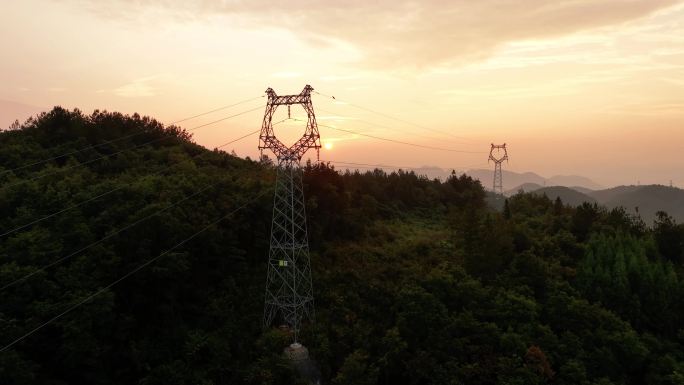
498,159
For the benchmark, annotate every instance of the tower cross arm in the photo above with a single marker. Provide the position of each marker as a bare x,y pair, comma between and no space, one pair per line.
271,142
304,143
309,140
498,147
303,97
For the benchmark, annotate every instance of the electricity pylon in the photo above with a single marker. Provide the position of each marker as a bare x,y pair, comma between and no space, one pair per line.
289,295
498,159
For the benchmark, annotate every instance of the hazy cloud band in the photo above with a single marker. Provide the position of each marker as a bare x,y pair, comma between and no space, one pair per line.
409,33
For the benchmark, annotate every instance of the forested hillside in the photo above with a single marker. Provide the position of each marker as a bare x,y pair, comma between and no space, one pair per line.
417,281
568,195
645,201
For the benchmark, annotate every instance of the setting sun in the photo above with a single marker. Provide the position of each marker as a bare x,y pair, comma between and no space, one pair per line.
328,146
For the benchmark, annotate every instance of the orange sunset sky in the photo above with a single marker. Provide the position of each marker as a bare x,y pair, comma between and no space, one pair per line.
594,88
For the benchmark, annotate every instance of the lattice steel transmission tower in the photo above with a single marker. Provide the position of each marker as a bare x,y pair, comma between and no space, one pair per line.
498,158
289,294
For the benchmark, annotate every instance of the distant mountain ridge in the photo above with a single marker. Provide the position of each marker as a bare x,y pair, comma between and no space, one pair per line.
566,194
512,179
644,201
525,187
573,181
573,190
613,193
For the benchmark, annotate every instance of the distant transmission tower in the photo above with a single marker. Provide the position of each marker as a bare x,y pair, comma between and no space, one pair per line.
289,295
498,158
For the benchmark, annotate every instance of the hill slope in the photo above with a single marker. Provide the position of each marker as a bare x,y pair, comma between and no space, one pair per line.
512,179
604,196
645,201
648,200
567,195
525,187
573,181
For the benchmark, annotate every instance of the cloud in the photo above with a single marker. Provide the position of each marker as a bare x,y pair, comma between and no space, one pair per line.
648,109
138,88
405,33
134,90
286,75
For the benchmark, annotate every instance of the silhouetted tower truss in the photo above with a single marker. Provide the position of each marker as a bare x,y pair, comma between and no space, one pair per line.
496,155
289,295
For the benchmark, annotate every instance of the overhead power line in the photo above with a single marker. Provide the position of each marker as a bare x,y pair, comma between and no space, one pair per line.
368,165
226,118
123,137
394,117
384,166
401,142
216,110
354,119
62,169
49,265
14,230
240,138
130,273
110,235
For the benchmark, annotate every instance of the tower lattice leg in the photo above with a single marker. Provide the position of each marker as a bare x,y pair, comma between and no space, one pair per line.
498,179
289,293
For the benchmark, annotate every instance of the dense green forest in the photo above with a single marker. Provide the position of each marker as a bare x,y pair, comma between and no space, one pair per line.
417,281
